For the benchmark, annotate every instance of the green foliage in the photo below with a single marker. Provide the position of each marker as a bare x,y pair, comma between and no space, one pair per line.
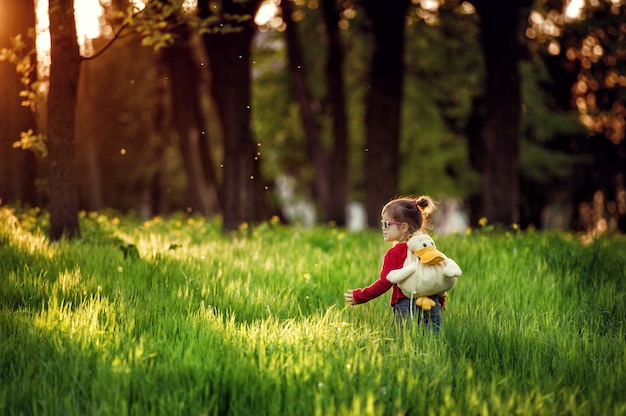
31,141
542,125
254,322
157,23
25,64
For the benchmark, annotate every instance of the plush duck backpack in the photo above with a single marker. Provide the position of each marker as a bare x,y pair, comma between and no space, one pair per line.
426,272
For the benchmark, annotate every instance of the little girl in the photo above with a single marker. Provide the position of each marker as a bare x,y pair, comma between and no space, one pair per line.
401,218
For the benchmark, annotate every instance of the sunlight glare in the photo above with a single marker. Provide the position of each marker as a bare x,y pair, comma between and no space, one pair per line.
88,13
574,9
43,36
430,5
467,8
267,11
189,5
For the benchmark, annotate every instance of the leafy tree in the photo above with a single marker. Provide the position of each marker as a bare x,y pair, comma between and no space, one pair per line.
149,24
594,48
585,57
442,78
441,95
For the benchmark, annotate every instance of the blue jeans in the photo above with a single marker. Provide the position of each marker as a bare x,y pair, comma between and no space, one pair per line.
406,310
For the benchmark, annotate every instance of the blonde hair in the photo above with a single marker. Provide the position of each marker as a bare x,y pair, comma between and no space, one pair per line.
413,211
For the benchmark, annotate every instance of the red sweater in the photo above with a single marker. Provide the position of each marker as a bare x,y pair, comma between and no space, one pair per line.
394,259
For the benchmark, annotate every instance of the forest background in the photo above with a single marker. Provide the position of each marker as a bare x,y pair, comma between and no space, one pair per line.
514,112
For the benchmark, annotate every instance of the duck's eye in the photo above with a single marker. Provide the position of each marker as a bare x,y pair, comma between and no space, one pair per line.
425,245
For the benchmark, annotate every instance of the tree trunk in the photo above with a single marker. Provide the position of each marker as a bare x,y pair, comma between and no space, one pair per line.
310,110
64,77
500,26
329,162
88,129
335,207
384,104
18,168
229,56
190,124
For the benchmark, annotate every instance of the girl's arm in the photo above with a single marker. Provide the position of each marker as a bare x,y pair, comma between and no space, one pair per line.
394,259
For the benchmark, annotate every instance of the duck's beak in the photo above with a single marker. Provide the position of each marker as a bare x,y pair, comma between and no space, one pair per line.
430,255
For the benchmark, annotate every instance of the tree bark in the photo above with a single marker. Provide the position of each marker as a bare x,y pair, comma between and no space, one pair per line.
18,168
243,189
500,32
64,76
384,104
335,207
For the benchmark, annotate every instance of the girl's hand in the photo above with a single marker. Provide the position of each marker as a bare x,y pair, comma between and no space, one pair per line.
349,297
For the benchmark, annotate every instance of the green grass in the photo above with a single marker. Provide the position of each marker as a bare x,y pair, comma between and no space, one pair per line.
172,317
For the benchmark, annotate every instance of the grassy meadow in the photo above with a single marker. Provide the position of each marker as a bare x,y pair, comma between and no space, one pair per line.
170,317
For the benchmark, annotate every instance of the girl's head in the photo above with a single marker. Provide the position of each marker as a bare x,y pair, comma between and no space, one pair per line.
408,214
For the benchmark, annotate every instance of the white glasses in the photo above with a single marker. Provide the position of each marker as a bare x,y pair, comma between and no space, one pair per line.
385,224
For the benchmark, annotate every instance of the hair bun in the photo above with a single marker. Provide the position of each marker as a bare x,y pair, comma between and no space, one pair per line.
425,204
